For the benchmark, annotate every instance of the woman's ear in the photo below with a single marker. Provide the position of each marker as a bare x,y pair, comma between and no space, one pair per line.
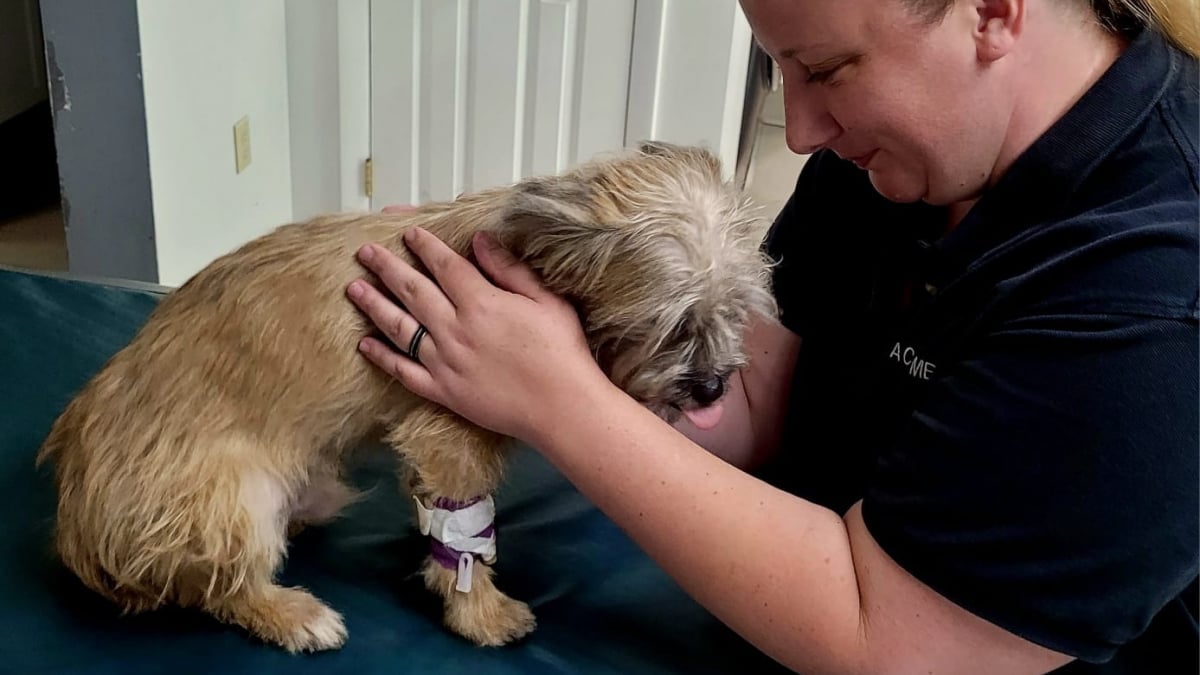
998,27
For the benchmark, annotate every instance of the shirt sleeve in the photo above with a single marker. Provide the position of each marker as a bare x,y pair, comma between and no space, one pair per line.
1048,481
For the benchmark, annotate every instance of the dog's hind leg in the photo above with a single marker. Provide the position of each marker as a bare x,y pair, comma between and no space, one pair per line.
239,587
289,617
453,469
322,499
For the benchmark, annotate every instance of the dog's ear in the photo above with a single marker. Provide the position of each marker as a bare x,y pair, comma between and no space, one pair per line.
552,224
554,201
660,148
693,155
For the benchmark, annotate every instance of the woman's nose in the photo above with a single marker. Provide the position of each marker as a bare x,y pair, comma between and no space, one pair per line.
810,125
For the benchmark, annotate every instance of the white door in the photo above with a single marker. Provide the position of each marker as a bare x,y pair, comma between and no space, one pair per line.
467,94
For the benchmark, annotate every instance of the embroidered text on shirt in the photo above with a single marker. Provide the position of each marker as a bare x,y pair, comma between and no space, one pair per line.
917,366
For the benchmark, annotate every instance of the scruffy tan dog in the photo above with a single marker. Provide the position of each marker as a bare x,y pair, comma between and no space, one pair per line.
182,464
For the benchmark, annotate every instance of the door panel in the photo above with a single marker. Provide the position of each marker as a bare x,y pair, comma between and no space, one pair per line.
468,94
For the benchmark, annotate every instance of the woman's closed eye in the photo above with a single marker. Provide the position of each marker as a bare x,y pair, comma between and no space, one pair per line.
823,73
821,76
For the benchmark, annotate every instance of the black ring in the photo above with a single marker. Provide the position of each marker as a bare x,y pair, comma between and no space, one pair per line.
415,344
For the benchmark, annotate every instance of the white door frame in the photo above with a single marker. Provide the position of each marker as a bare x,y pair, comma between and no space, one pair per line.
354,100
688,75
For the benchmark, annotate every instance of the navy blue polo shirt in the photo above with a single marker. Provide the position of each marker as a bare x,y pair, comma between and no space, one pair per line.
1016,401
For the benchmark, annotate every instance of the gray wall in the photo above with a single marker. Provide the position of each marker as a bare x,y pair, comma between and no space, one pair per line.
100,132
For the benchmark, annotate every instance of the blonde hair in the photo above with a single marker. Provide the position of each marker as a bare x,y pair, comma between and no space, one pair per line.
1177,20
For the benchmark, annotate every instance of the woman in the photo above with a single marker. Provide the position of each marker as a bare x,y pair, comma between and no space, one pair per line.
983,458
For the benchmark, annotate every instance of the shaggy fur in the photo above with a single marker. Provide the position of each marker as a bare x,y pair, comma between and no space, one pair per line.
183,464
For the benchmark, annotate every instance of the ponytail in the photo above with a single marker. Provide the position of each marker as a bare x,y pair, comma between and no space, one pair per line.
1177,20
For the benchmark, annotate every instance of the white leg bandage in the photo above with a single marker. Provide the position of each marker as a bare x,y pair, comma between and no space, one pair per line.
459,532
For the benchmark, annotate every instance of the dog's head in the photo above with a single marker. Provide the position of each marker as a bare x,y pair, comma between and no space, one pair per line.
663,260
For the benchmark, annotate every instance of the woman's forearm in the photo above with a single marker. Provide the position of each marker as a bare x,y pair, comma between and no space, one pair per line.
776,569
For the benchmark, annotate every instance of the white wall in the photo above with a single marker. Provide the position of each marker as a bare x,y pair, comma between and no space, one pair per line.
204,66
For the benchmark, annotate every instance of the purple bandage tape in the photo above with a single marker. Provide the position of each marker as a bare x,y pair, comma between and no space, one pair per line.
446,556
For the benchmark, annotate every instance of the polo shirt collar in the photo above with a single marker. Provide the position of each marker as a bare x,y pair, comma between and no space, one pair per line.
1039,184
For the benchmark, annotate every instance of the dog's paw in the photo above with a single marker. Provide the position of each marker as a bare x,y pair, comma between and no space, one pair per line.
494,622
289,617
324,629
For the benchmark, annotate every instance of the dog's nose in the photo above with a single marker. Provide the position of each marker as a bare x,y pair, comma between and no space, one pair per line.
708,391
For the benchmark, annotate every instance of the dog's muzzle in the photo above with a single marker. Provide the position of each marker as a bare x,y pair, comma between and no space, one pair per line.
459,532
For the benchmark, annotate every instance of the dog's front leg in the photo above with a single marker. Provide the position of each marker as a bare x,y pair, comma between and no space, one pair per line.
453,468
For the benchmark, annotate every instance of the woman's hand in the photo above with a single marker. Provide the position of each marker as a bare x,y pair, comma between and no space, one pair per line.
499,355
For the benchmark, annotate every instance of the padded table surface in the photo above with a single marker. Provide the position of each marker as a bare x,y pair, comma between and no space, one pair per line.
602,605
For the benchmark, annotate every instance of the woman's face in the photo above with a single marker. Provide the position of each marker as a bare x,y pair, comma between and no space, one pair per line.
905,98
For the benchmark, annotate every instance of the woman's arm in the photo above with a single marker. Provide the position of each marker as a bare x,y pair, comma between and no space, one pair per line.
806,586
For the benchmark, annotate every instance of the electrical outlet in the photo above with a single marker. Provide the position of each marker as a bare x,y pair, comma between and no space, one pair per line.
241,143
